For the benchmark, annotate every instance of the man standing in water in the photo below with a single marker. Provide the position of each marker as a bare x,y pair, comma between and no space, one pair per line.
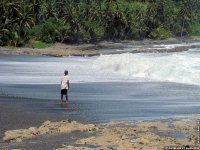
65,85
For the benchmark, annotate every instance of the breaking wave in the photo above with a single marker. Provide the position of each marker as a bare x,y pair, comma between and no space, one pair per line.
181,67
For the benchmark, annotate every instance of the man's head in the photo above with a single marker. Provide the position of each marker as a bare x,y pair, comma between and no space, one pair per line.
66,72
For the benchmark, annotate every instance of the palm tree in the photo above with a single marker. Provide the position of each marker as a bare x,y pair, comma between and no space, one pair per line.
10,10
72,17
36,8
60,6
24,20
3,35
185,15
48,10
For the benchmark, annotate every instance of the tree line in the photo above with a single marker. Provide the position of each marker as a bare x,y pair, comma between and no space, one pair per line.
90,21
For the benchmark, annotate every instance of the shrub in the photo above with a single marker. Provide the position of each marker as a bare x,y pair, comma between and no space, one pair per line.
39,44
95,30
49,31
195,29
160,33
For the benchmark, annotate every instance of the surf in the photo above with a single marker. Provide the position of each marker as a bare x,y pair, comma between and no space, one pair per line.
179,67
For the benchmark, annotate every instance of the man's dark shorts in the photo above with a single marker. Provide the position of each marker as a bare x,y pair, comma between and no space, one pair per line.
64,91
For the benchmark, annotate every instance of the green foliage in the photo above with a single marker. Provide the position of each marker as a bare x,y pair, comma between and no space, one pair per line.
48,31
160,33
39,44
94,31
195,29
73,21
137,14
9,46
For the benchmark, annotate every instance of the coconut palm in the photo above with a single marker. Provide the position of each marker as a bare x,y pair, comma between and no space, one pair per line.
9,10
24,20
35,6
48,10
185,15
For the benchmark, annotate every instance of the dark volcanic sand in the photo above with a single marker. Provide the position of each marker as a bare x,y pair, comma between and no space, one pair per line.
14,116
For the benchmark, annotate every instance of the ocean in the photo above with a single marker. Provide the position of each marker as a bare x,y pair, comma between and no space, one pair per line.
123,86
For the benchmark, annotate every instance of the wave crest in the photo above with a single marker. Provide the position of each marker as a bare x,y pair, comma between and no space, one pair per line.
176,67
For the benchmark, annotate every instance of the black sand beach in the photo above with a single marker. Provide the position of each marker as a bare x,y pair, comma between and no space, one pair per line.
101,102
104,104
138,101
14,115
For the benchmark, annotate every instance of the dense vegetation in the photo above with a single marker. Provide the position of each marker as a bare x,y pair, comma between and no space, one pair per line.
72,21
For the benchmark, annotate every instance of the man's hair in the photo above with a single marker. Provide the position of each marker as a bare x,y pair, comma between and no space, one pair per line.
66,72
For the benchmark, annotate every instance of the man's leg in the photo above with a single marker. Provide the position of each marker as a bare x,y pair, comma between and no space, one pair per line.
62,97
67,95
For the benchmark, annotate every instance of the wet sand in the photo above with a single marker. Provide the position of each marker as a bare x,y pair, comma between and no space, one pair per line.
14,116
35,133
102,102
23,129
37,123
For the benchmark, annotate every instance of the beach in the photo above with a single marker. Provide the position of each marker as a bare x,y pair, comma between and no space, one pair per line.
90,123
13,116
120,98
69,135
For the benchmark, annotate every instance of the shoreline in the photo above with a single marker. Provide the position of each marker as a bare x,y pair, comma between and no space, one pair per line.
36,130
22,129
105,48
138,135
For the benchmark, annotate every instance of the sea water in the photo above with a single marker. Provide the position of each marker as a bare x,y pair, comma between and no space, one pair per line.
107,87
178,67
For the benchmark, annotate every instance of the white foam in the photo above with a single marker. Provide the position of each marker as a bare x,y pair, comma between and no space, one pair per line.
170,46
173,67
49,71
182,67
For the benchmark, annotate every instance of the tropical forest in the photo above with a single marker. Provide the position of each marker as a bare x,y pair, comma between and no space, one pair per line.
91,21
